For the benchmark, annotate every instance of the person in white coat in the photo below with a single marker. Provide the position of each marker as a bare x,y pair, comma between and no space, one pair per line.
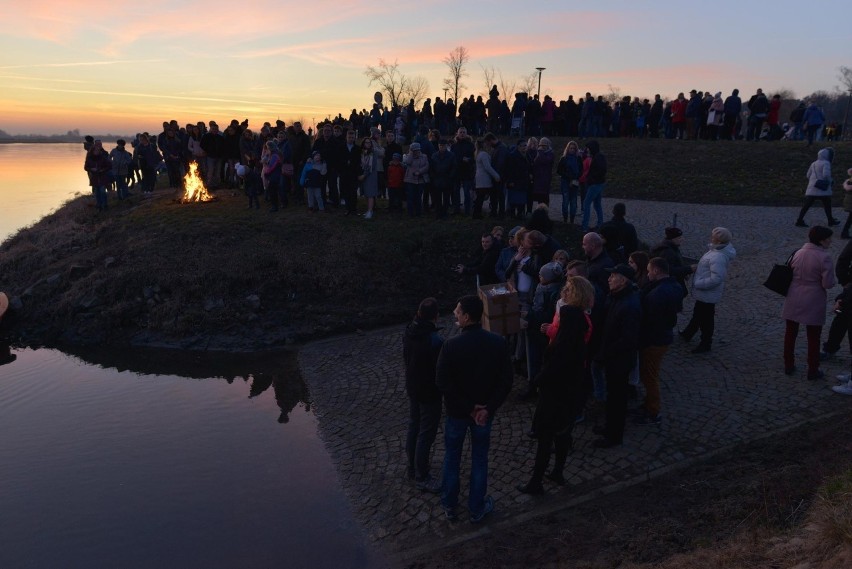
708,284
819,187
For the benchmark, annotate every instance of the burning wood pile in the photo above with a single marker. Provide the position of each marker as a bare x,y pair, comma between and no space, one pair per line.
194,189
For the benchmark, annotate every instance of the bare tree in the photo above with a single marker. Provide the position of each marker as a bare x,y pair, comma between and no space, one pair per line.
389,79
415,88
488,75
456,62
845,77
613,95
507,86
528,83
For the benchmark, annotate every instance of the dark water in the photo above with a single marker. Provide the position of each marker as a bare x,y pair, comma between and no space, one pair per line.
162,459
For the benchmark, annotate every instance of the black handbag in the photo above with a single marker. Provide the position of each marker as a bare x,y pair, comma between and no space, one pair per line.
780,277
822,185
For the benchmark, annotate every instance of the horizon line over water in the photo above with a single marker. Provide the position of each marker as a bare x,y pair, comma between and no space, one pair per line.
36,179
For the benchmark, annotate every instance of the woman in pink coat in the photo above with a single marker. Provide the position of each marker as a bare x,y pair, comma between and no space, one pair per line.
813,275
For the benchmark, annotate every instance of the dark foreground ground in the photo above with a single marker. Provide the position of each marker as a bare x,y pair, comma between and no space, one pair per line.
756,490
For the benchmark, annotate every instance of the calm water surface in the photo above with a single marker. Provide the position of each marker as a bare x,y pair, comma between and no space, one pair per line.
156,458
35,179
108,468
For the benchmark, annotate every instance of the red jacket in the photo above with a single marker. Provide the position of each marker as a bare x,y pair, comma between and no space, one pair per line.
395,175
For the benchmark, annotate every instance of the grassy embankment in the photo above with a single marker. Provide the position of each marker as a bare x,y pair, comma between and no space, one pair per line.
217,275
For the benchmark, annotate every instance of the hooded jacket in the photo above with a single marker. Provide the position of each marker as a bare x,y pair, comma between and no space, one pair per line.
820,169
597,169
708,283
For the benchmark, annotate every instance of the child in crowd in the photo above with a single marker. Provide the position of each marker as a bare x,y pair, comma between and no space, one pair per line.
395,176
313,177
550,278
253,184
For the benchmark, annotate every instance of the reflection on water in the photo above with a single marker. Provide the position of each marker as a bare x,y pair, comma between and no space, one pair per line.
260,371
112,460
35,179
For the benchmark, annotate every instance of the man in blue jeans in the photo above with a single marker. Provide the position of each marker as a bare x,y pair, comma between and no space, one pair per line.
474,373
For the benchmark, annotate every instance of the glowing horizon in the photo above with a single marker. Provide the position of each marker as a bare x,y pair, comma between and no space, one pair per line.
98,66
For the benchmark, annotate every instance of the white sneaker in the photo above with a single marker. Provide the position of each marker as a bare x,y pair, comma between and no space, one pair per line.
844,377
845,389
368,215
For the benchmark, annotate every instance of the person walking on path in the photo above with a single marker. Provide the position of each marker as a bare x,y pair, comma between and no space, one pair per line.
813,275
708,284
421,345
819,187
474,373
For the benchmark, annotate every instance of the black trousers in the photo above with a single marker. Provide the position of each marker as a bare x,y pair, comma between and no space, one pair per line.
704,319
809,201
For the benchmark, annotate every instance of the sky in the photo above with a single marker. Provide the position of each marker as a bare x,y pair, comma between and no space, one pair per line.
111,66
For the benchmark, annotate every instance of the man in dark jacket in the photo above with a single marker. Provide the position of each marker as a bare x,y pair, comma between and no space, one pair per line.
443,165
421,345
463,150
758,107
474,373
619,236
618,350
661,300
350,169
483,262
595,183
733,106
598,259
669,249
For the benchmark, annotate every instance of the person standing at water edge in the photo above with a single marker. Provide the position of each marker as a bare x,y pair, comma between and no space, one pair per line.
99,167
474,373
421,345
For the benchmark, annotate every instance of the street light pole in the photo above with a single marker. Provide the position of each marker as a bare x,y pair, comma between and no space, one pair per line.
540,69
445,94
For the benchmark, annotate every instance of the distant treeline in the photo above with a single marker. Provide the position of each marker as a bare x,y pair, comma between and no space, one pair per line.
70,136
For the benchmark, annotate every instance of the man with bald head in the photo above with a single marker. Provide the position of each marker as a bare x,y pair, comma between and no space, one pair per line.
598,259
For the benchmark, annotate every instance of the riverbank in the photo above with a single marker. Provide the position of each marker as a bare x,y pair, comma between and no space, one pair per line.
217,276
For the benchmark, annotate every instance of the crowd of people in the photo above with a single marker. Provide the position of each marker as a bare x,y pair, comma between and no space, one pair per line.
593,330
700,114
444,170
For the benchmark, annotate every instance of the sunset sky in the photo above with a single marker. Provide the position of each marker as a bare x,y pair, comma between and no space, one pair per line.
123,67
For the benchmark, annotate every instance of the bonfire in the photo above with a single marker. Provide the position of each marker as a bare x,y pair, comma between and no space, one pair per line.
194,190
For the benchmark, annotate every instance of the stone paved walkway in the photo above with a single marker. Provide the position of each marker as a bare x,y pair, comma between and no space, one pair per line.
711,402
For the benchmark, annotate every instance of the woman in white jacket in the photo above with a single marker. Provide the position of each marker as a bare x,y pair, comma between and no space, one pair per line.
819,187
708,284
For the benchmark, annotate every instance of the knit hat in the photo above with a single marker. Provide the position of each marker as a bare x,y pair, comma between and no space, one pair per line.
514,230
673,232
551,272
396,156
414,146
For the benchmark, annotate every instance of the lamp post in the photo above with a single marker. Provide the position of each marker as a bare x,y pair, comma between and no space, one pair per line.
540,69
445,94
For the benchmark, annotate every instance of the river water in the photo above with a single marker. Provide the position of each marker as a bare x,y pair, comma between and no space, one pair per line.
156,458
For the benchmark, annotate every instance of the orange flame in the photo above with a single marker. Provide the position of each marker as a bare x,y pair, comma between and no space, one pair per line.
194,186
